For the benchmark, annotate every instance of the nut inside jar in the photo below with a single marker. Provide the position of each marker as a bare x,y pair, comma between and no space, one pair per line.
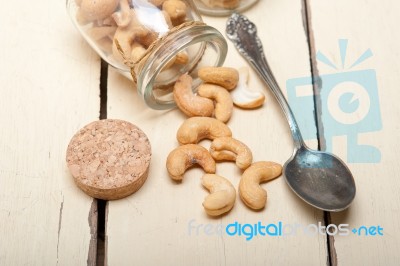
152,42
134,24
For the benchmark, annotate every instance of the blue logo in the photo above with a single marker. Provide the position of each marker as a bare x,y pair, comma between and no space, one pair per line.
349,105
280,229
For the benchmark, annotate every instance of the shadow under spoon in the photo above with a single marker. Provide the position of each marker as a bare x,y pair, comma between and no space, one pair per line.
319,178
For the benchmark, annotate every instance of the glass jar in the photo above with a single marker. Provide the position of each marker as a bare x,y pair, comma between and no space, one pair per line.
223,7
151,41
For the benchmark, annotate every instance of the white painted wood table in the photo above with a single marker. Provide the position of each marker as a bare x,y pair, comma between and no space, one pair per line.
52,84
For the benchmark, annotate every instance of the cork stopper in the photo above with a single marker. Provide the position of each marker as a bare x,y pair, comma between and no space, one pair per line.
109,159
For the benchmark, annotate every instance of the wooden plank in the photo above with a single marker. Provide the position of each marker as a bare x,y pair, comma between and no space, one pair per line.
152,227
366,25
49,89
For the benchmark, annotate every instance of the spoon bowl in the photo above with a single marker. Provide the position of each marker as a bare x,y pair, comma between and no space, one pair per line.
319,178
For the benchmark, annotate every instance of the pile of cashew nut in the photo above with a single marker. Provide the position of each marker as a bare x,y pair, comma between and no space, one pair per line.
120,27
223,87
209,110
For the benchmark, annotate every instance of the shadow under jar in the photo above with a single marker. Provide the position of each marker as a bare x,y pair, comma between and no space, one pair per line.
152,42
223,7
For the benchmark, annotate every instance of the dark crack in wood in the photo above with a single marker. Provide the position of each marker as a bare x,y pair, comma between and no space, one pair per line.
101,232
92,220
103,89
317,87
101,249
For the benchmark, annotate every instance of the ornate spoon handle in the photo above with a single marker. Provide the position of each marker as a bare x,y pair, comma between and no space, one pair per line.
243,33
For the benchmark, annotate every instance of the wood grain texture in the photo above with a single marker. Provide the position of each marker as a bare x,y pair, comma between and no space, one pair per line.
152,227
367,25
49,89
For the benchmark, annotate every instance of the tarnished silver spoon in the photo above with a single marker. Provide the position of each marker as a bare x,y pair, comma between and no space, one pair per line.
319,178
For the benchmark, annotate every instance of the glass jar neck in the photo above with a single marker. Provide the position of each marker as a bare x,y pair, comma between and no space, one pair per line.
204,45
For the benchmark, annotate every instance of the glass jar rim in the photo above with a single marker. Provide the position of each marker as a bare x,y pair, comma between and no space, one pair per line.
176,42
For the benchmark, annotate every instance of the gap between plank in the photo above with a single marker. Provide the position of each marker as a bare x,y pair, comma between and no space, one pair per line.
92,220
317,85
102,204
101,232
103,89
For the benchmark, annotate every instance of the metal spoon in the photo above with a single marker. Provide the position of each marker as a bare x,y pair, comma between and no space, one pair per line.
319,178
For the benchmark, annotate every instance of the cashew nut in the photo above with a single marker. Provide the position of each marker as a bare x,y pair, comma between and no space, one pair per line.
183,157
227,148
231,4
250,190
226,77
182,58
97,33
148,38
109,22
176,10
81,17
223,105
189,103
195,129
92,10
244,97
124,37
123,16
157,2
222,197
137,52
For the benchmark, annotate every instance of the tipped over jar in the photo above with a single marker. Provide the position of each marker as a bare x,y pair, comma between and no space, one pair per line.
151,41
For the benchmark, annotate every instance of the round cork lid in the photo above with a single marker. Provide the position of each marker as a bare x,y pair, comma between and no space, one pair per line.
109,159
